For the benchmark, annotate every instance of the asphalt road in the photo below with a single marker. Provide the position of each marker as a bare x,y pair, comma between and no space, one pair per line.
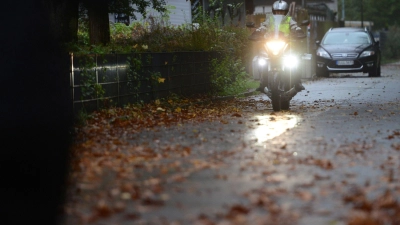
332,159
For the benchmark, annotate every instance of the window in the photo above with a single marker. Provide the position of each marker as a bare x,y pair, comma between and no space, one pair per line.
122,18
345,38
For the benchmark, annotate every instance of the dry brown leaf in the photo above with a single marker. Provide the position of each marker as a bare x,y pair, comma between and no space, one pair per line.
304,195
236,115
152,202
103,209
237,210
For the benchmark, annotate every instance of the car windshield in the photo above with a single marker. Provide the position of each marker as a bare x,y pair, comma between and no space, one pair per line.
344,38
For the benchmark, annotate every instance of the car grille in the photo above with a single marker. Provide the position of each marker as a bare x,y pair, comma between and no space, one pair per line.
344,55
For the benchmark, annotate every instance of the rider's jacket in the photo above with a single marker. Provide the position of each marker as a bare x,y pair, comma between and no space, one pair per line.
285,27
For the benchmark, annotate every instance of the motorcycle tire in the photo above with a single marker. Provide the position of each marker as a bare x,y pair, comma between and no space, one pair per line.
285,104
276,100
274,82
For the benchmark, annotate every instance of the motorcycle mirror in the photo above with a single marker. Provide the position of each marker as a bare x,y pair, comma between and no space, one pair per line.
317,42
250,24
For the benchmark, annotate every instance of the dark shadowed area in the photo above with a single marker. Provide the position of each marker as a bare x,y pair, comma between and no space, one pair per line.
35,116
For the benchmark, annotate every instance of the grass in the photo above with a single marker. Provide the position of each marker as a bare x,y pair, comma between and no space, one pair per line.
238,89
387,61
251,84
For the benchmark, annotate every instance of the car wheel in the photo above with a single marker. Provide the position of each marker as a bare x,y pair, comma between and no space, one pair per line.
376,71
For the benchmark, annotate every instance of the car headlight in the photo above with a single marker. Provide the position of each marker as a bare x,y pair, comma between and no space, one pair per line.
367,53
321,52
275,46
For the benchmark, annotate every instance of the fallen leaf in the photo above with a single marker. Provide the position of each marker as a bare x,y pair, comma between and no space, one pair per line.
152,202
236,115
103,209
224,121
304,195
178,110
237,210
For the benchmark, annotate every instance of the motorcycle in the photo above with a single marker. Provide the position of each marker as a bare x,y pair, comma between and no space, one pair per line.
277,62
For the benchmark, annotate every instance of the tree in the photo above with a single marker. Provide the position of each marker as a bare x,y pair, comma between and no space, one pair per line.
234,11
383,13
63,19
98,10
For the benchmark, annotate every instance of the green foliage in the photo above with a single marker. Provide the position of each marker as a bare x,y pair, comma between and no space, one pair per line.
121,32
391,49
90,88
130,7
133,76
384,13
136,75
83,32
154,35
82,117
229,76
89,85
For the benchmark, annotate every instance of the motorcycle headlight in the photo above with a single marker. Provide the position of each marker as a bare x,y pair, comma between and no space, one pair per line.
290,61
324,54
275,46
262,61
367,53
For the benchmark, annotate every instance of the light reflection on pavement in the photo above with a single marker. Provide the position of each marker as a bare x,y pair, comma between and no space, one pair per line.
271,126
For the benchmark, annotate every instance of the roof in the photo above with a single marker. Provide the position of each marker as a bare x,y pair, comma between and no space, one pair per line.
298,2
341,29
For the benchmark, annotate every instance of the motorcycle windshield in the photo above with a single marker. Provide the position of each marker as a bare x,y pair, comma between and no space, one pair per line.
276,21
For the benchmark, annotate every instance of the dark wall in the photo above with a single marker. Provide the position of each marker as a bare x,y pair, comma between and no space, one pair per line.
35,116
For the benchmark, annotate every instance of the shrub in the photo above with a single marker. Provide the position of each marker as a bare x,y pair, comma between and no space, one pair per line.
228,76
153,36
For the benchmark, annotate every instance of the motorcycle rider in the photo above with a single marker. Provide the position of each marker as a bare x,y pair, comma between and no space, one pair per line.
280,8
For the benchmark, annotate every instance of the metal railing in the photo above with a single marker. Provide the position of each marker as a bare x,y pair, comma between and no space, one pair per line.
99,81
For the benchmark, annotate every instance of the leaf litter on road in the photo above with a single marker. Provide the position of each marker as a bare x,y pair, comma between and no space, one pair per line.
111,174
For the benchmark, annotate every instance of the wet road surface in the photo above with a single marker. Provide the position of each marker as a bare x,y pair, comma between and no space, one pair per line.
332,159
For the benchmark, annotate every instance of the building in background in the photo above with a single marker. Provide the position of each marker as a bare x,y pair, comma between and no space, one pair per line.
179,13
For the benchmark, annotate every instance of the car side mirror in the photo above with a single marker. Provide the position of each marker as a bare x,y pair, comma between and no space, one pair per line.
250,25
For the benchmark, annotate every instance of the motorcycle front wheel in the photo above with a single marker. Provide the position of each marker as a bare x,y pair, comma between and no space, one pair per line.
276,100
285,104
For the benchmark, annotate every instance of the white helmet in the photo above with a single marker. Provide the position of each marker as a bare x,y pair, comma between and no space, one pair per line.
280,7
